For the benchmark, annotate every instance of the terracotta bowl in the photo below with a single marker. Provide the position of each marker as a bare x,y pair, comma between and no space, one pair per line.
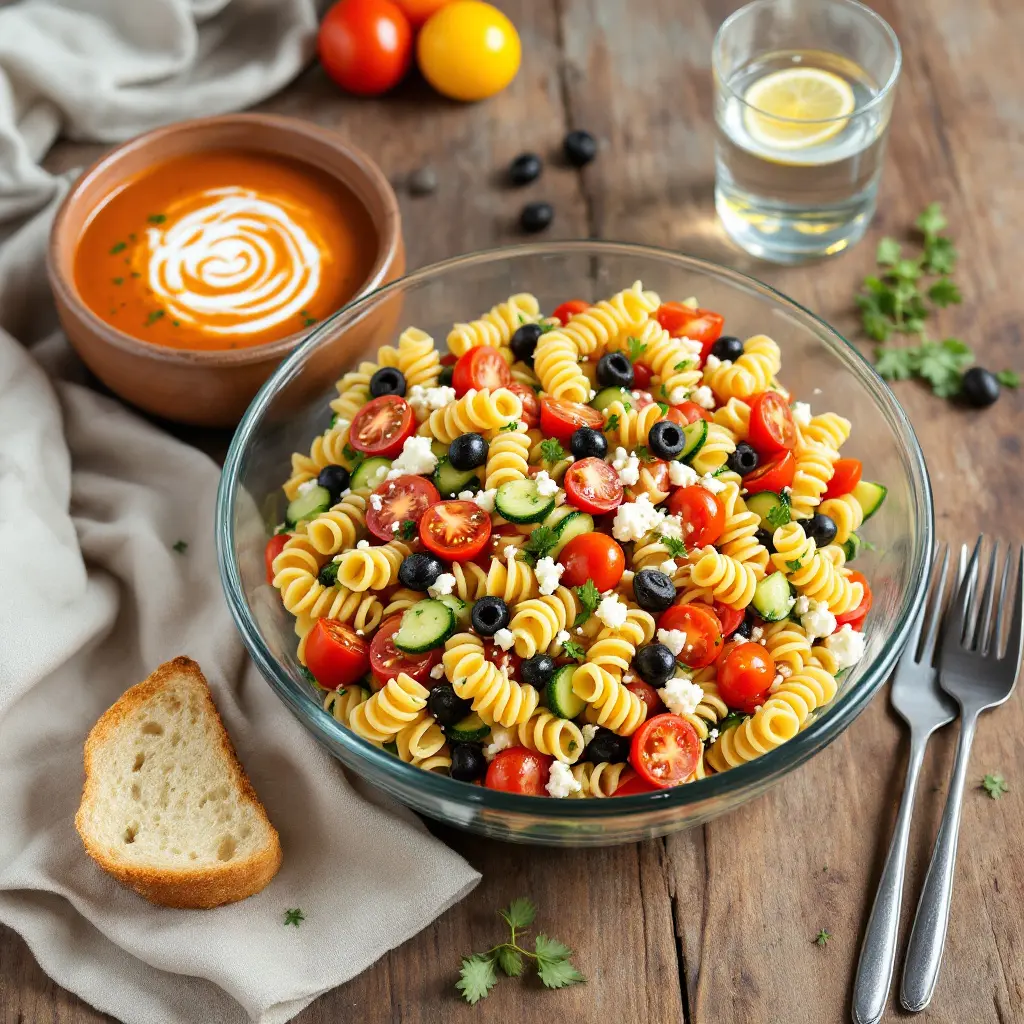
206,388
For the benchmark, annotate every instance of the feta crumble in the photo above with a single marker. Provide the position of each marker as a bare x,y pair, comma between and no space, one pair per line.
560,782
815,617
466,495
672,526
711,483
703,397
589,732
394,527
668,567
562,636
634,519
444,584
611,611
802,414
548,573
504,638
681,475
307,485
712,736
423,401
627,465
485,499
678,395
546,487
510,552
437,672
362,545
847,645
681,695
416,458
673,639
501,739
376,501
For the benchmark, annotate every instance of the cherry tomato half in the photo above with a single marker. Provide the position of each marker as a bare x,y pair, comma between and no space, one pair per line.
336,655
703,515
657,478
665,750
508,661
635,785
745,675
772,475
455,530
418,11
683,321
274,547
569,309
730,618
592,556
642,375
845,477
480,367
449,359
531,403
386,660
702,630
365,46
403,501
518,770
649,695
771,424
593,486
561,419
381,427
692,412
856,616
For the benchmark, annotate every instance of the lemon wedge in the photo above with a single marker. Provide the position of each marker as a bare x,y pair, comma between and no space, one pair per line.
779,102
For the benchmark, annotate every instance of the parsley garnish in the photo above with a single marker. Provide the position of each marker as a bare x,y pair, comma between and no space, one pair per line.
181,546
545,326
663,407
590,598
778,515
157,218
551,451
294,917
676,547
117,247
280,528
574,650
154,316
995,785
636,348
794,565
309,321
821,939
310,678
643,453
352,457
479,973
408,530
118,280
539,543
613,422
511,425
684,364
1008,378
940,363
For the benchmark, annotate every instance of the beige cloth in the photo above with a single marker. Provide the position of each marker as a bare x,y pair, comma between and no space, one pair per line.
93,596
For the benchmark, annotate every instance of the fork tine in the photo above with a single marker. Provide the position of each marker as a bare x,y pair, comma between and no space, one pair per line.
1015,640
986,592
995,636
937,610
959,610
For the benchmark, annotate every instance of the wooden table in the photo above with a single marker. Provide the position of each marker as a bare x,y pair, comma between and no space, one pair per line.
717,924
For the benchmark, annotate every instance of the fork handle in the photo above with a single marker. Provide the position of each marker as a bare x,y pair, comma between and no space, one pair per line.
878,953
928,936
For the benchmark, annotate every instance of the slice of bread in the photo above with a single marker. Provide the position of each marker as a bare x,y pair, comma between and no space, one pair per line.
167,809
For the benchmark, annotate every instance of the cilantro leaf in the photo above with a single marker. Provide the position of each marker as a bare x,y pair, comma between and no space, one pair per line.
539,543
1008,378
510,960
877,325
612,422
995,785
940,255
511,425
590,598
551,949
779,515
636,348
643,453
888,252
294,917
181,546
931,221
821,939
794,565
905,271
574,650
676,548
554,968
408,530
945,293
551,451
941,364
663,407
477,978
520,913
895,363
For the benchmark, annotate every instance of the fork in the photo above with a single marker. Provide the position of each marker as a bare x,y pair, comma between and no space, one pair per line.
972,670
916,697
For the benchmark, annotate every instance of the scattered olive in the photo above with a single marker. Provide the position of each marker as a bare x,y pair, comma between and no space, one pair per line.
419,571
580,148
655,664
764,538
524,341
467,452
588,443
336,479
654,590
468,762
538,670
388,380
489,615
979,387
536,217
446,706
727,347
665,440
525,168
614,370
745,629
744,460
821,529
444,378
606,746
422,181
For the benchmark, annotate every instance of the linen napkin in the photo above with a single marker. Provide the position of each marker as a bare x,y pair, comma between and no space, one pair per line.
93,594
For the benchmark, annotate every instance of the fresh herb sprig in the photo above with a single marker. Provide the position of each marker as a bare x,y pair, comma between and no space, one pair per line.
538,544
551,451
590,598
995,785
294,917
571,649
676,548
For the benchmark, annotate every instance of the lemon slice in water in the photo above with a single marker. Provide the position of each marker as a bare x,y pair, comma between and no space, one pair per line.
779,102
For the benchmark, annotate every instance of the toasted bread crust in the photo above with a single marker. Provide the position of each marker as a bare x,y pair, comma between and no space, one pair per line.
200,887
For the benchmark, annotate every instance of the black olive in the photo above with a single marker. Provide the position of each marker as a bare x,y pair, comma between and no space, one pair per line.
655,664
744,460
388,380
821,529
764,537
745,629
524,341
444,378
653,590
328,575
588,443
614,370
525,168
419,571
538,670
423,181
606,746
489,615
336,479
580,147
665,440
727,347
536,217
446,706
979,387
468,762
467,452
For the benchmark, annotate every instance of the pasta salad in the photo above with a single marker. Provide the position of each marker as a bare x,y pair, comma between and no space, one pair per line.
587,554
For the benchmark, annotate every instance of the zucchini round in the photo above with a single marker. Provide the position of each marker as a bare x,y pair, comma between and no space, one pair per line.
561,700
694,436
426,625
519,501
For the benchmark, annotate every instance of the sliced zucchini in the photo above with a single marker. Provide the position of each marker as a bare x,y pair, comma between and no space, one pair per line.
870,497
450,481
694,436
773,597
561,700
440,450
426,625
763,503
315,500
459,607
519,501
370,474
571,526
606,396
471,729
852,547
560,513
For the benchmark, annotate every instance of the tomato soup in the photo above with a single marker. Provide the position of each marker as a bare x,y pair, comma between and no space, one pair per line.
223,250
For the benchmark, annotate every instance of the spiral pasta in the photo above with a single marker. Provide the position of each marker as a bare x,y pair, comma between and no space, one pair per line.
548,734
326,450
470,581
417,358
811,574
815,465
511,580
555,361
496,327
752,372
422,740
536,621
371,568
353,391
715,450
341,703
672,364
735,417
341,526
600,780
606,321
787,643
495,698
398,704
507,457
729,581
610,704
739,535
846,512
476,412
828,429
628,428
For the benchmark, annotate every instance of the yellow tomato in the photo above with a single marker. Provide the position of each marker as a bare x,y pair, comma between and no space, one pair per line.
468,50
417,11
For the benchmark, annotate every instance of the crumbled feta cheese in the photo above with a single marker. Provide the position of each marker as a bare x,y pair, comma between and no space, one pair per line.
627,465
776,682
562,636
466,495
363,545
416,458
681,695
635,394
802,414
593,395
394,527
678,395
589,732
668,567
703,397
681,475
816,619
548,573
423,401
561,782
713,362
504,639
847,645
712,736
444,584
757,632
377,501
501,739
634,519
579,631
787,490
672,526
816,391
611,611
307,485
437,672
691,345
359,632
627,677
510,551
673,639
802,605
485,499
711,483
545,485
785,671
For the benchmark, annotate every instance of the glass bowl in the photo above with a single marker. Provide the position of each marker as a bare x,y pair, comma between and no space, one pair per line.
819,367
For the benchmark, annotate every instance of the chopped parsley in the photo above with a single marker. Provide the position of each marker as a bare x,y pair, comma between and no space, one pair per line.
154,315
181,546
551,451
590,598
294,917
408,529
612,422
118,247
779,515
539,543
676,548
821,939
794,564
636,348
995,785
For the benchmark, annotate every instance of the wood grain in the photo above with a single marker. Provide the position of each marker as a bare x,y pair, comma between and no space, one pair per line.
717,924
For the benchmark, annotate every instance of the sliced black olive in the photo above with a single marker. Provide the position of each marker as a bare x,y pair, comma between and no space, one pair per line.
419,571
744,460
588,443
727,347
467,452
655,664
665,440
606,746
468,762
388,380
614,370
446,706
335,479
654,591
538,670
489,615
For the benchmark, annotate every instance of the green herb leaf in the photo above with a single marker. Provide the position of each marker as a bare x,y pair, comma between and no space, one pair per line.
1008,378
676,548
995,785
180,546
551,451
154,315
546,325
931,221
663,407
940,255
477,978
942,364
732,719
118,280
643,453
590,598
895,363
510,960
117,247
539,543
408,529
905,271
821,939
612,422
550,949
511,425
157,218
574,650
520,913
945,293
888,252
685,364
636,348
294,917
328,575
794,565
310,678
779,515
555,971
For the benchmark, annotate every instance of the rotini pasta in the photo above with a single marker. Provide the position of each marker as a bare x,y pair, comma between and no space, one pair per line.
600,780
813,575
475,412
548,734
751,373
417,358
398,704
495,698
371,568
496,327
507,457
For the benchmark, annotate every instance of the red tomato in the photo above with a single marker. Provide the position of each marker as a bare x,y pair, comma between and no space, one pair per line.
387,660
649,695
642,375
508,660
772,475
856,616
455,530
402,501
692,412
592,485
635,785
657,469
592,556
676,416
418,11
744,676
684,322
665,750
365,46
845,478
531,403
381,426
480,367
569,309
274,547
518,770
703,632
336,655
449,359
702,513
730,618
771,424
561,419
